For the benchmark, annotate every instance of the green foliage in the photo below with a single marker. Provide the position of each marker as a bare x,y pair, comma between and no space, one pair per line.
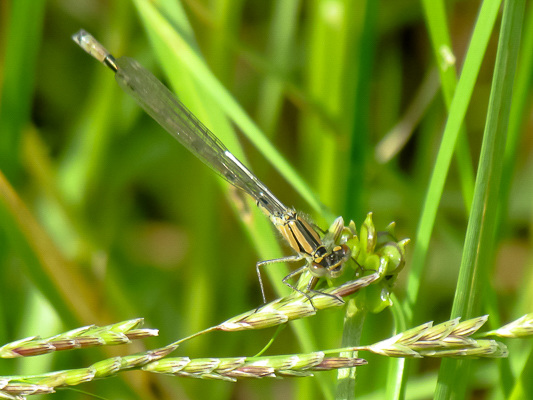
104,217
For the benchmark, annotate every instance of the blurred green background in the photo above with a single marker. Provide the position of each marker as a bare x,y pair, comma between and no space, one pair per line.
104,217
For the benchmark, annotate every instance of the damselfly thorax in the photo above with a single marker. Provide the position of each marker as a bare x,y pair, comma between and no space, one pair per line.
304,239
323,256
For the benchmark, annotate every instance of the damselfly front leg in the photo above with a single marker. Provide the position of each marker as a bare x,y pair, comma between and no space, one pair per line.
260,264
309,288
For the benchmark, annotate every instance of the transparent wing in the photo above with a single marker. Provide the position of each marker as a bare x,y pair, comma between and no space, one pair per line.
163,106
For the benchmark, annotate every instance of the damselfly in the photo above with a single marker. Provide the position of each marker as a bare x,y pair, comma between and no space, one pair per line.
323,256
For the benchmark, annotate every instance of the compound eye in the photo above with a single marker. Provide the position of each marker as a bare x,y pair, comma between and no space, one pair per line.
343,252
317,269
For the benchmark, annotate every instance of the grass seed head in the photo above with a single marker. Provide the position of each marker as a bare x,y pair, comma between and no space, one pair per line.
520,328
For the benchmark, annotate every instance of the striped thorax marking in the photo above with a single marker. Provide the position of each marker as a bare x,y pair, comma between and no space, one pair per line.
304,239
299,234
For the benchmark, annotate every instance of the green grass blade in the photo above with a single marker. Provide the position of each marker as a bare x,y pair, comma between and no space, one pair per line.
179,46
436,20
360,133
478,253
23,35
519,110
524,385
57,279
226,19
125,209
458,107
517,124
281,37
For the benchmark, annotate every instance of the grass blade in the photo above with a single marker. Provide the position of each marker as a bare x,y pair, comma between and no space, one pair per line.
478,253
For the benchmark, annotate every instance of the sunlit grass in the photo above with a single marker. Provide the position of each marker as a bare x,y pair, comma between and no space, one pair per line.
106,218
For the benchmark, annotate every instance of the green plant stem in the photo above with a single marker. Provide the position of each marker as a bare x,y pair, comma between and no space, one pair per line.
353,326
396,376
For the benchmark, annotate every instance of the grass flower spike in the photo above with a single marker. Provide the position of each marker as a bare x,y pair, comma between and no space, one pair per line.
448,339
231,369
87,336
521,328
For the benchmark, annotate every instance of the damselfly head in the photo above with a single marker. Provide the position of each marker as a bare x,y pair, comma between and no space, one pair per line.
329,264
